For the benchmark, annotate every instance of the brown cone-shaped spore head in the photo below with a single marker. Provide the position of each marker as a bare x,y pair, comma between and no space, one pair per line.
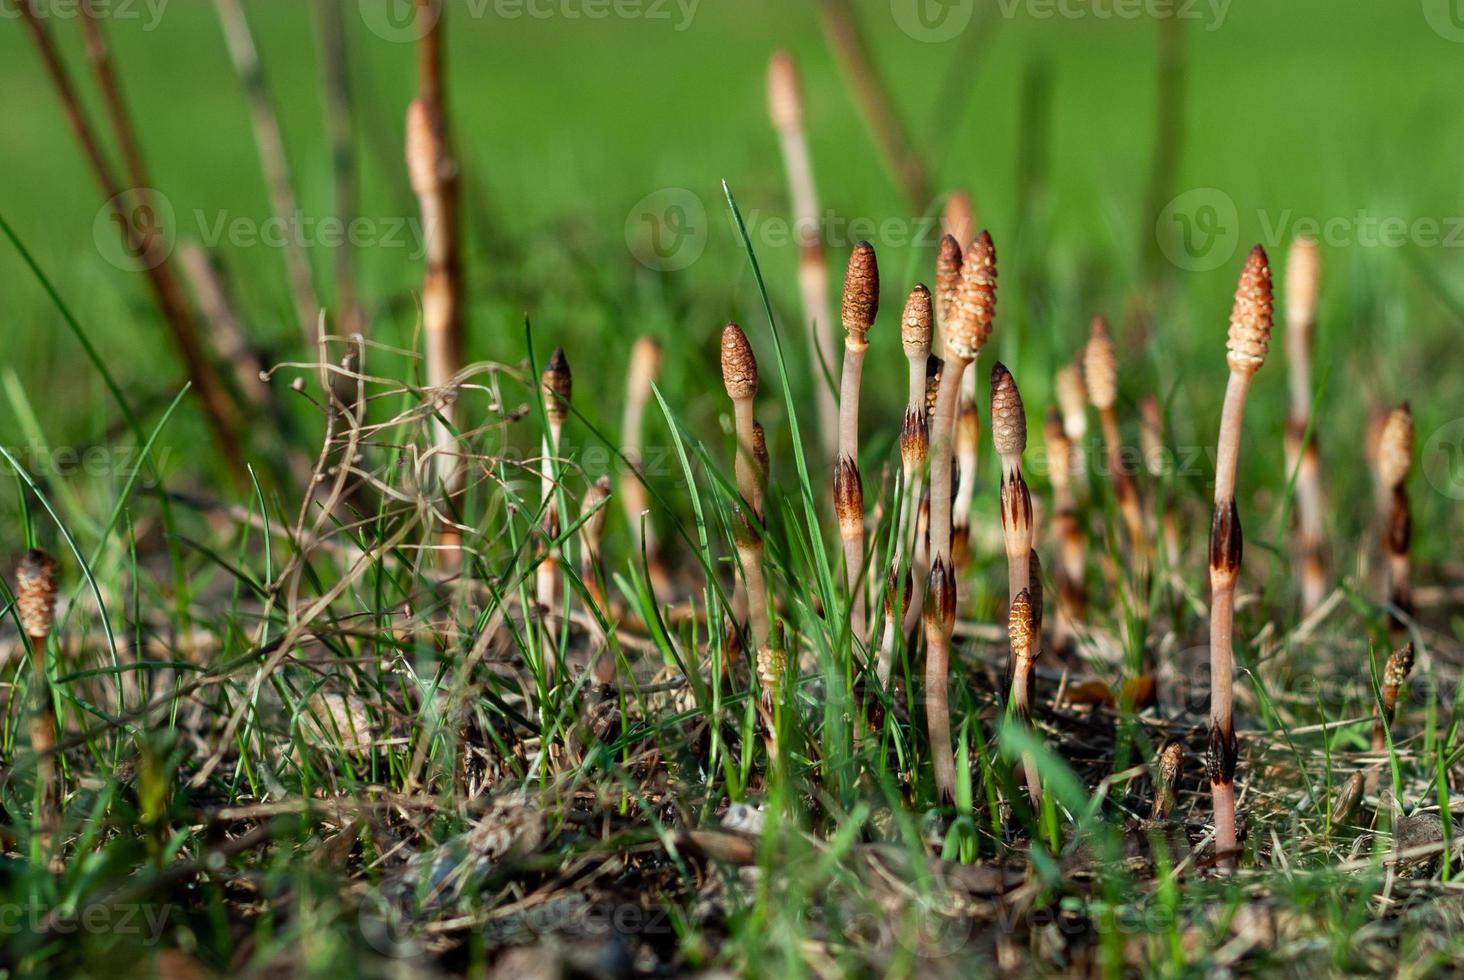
849,497
1395,447
558,386
1398,667
1019,626
917,323
861,293
1100,366
35,593
974,308
739,366
940,596
785,99
1250,317
1303,280
914,440
947,275
1072,400
1008,416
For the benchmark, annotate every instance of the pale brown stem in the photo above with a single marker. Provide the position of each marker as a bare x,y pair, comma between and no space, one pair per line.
644,367
919,557
546,578
942,438
853,536
937,709
43,741
749,479
966,483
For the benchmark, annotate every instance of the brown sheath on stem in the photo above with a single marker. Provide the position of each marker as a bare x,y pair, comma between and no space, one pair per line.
785,108
1022,631
849,508
1166,783
1247,343
940,621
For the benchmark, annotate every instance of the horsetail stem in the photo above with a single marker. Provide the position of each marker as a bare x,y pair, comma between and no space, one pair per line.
558,388
858,310
1303,273
785,108
645,366
35,604
1395,460
1022,633
940,623
595,509
1248,340
1100,377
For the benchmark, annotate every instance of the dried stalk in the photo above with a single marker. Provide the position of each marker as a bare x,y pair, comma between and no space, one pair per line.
785,106
269,140
1395,460
35,602
873,99
645,367
1249,339
859,309
1302,277
134,217
1022,632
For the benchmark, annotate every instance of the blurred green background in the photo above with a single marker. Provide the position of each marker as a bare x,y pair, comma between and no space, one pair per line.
1343,112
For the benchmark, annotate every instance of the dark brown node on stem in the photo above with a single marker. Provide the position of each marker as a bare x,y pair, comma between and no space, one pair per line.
744,532
558,386
739,366
1400,523
1224,750
914,439
849,497
940,596
1226,539
861,292
1016,502
35,593
900,589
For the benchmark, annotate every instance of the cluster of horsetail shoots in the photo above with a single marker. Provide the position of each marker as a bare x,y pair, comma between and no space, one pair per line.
1248,341
971,315
740,378
1395,460
785,107
1303,275
645,366
558,388
35,602
858,311
1100,379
